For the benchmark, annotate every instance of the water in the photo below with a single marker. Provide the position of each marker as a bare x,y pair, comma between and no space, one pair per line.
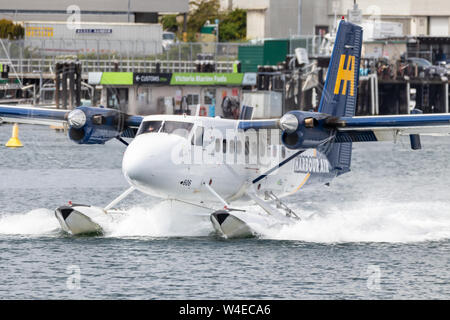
379,232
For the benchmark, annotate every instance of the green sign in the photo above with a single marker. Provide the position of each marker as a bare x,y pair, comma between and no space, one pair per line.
210,29
179,78
117,78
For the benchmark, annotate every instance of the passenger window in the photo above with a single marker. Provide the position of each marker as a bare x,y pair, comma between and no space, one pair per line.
232,145
197,138
224,144
283,152
238,147
218,145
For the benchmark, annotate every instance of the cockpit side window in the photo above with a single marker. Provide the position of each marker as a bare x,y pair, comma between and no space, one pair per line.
149,127
177,127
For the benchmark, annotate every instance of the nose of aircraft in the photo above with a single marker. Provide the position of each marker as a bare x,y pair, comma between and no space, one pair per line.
148,158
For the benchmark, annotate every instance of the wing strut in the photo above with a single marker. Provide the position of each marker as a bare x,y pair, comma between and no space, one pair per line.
282,163
119,198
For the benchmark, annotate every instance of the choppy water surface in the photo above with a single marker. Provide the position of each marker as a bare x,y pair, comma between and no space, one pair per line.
379,232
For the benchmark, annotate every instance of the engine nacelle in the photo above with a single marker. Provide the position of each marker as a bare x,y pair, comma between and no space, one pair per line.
303,130
89,125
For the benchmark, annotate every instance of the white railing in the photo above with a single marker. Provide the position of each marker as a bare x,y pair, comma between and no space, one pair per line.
46,65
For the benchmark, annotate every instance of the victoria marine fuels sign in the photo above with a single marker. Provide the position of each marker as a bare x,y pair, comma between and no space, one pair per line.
152,78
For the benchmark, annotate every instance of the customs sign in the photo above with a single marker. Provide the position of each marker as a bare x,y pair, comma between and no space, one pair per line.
152,78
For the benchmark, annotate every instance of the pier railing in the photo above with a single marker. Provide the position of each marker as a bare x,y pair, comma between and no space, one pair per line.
46,65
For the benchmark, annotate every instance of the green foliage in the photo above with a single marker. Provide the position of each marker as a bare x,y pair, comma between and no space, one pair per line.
11,30
169,23
233,25
203,10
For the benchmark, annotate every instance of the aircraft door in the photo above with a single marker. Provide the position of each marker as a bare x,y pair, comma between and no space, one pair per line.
197,143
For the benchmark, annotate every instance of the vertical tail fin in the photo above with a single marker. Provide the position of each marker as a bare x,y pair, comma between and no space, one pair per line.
339,96
341,85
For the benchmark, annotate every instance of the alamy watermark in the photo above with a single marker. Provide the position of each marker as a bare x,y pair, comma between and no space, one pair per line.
373,277
73,281
74,20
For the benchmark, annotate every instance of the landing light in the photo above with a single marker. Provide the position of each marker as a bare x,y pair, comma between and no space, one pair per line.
289,123
76,118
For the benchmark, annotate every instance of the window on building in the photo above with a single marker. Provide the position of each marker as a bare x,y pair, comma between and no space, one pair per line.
193,99
209,95
117,98
321,30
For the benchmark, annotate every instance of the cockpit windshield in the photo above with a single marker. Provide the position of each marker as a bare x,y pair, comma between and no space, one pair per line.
179,128
149,127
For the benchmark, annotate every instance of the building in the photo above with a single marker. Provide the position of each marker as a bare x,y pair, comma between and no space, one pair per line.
139,11
157,93
49,38
308,17
67,27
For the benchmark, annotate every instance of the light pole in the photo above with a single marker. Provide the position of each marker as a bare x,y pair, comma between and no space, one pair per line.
129,5
217,24
299,18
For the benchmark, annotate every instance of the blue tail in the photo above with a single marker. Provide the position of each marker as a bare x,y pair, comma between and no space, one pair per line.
339,96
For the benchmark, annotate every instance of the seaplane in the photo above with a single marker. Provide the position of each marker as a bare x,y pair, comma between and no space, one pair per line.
224,165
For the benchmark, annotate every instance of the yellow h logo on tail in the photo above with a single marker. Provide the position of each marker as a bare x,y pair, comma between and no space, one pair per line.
347,74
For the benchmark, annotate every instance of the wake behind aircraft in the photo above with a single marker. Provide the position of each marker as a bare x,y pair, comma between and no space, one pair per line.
220,165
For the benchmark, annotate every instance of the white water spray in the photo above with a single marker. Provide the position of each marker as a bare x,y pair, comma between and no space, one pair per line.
362,221
370,222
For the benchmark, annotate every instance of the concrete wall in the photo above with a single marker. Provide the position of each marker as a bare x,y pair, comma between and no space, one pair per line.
64,17
418,26
256,23
264,17
280,18
405,8
415,15
123,38
104,6
380,49
93,11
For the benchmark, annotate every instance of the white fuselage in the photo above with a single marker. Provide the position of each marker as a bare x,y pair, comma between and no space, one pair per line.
167,162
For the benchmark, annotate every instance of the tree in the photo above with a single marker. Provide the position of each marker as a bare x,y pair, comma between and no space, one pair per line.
233,25
11,30
203,10
169,23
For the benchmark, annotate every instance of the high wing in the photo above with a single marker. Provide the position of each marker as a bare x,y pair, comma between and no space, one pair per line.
87,125
44,116
355,129
388,128
335,127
